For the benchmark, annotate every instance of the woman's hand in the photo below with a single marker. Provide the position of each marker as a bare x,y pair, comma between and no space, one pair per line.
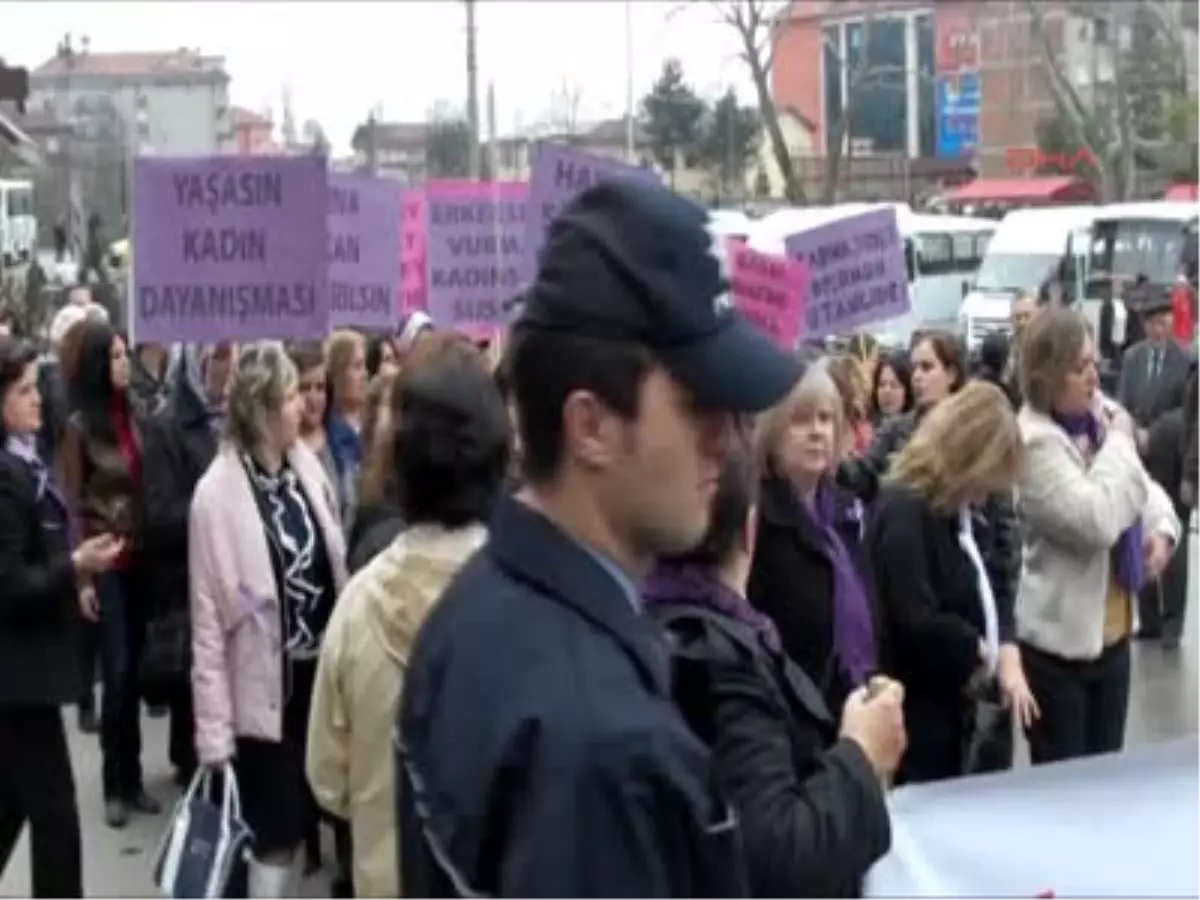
97,554
89,603
1158,548
1014,688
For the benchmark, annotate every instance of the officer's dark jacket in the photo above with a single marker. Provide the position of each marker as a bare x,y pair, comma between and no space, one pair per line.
538,749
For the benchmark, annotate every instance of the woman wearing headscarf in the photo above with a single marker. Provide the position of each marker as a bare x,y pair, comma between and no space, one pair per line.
809,575
266,562
177,447
807,785
38,659
450,454
1096,527
101,461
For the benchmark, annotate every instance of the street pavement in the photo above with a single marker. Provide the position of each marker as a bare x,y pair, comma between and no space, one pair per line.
117,863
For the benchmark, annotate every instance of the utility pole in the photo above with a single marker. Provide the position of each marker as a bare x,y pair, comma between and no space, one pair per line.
472,91
629,124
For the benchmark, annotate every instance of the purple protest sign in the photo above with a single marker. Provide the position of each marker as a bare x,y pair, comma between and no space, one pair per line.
230,247
474,233
858,272
559,173
364,266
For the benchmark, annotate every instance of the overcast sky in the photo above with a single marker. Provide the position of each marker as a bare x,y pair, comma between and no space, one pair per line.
342,58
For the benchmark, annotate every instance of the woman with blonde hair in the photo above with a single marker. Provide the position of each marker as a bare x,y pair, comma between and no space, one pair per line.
949,637
1097,528
853,385
266,562
346,367
809,574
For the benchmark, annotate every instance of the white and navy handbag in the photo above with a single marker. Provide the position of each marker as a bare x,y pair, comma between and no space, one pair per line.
206,850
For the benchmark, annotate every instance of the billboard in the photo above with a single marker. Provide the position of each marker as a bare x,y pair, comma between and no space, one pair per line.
958,102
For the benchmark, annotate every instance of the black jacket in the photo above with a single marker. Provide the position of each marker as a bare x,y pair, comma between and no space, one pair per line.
792,582
39,608
374,528
178,445
1165,453
812,810
539,750
1000,541
929,593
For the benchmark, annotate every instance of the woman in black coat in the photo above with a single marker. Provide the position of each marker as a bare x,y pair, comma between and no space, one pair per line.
807,790
38,658
950,635
809,574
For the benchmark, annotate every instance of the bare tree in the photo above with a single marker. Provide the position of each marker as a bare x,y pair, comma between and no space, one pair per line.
1112,127
754,22
565,104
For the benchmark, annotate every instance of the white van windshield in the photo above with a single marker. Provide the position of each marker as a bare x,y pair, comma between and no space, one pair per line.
1130,248
1015,272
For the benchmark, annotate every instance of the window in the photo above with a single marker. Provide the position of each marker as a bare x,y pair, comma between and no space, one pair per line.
1129,248
1100,31
927,111
879,107
832,61
19,201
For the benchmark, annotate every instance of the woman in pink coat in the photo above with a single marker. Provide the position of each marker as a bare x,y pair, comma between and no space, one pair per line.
267,561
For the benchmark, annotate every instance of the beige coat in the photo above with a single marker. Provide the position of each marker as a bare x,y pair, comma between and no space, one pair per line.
359,681
1073,511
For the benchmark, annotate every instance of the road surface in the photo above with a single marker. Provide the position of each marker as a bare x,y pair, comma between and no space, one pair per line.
117,863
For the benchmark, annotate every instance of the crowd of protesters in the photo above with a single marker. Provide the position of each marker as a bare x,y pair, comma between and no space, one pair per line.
631,602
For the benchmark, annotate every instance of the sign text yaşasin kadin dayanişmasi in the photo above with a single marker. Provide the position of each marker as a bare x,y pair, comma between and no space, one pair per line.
230,248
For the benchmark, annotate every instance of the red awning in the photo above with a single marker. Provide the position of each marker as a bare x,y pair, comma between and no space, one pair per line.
1047,189
1183,192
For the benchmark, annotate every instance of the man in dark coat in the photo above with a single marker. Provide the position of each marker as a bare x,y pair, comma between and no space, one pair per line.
1154,370
1163,604
539,752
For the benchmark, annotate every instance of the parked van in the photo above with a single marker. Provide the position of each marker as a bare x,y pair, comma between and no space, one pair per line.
1041,252
940,253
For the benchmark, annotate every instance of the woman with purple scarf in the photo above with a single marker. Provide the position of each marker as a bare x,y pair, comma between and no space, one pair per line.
1097,528
808,791
39,612
809,575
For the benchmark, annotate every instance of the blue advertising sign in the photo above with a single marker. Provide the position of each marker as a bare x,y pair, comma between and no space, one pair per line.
958,100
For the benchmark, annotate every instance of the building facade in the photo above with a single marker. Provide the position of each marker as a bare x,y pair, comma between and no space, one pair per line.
170,104
253,134
963,79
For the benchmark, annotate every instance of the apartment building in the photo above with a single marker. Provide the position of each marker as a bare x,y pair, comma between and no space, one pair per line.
169,103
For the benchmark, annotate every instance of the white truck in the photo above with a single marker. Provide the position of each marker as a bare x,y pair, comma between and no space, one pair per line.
18,223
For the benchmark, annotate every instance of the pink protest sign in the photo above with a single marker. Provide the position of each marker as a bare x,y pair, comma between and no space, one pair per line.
770,291
474,234
413,290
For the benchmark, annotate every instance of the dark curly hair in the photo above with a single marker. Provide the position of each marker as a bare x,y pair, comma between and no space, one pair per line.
451,442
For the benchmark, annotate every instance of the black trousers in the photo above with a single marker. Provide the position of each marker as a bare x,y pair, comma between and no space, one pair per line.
1083,704
38,787
89,653
181,736
122,634
1162,604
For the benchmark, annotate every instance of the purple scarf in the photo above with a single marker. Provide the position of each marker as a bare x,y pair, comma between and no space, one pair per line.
853,627
673,582
24,448
1129,566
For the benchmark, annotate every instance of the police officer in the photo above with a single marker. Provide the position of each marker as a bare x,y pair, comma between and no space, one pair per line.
539,753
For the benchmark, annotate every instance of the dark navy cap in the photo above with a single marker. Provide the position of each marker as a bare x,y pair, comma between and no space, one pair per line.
632,261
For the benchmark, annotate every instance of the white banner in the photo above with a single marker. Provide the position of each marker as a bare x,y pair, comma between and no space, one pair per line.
1123,825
